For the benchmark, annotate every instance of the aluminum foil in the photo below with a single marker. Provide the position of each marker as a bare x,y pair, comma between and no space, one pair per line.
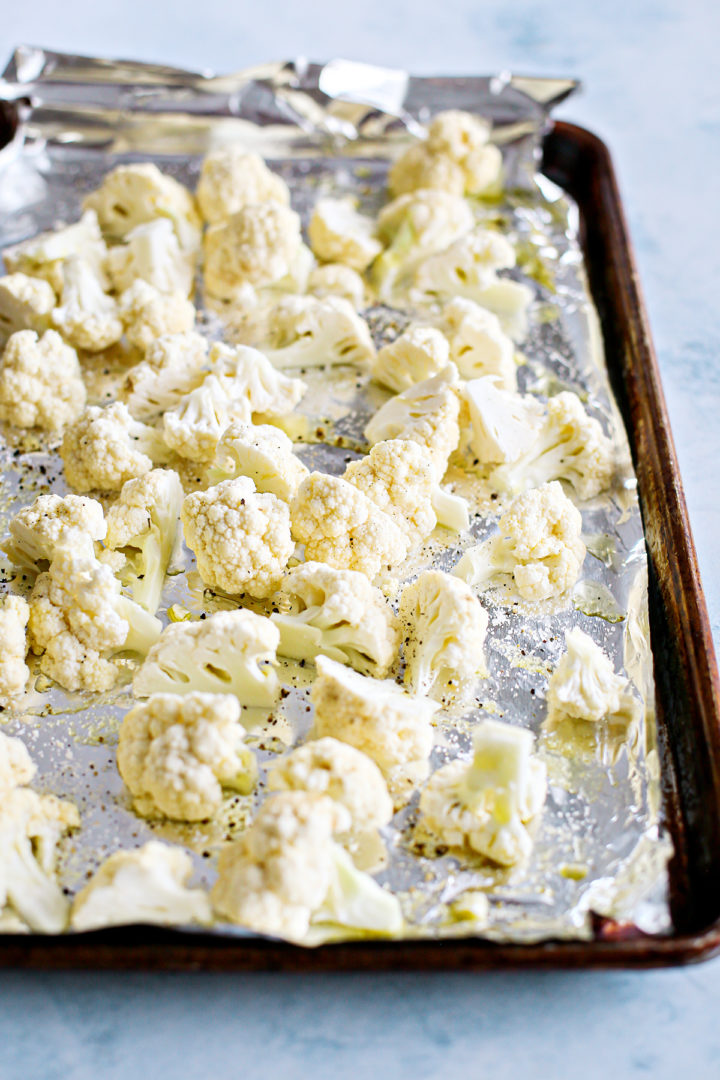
599,845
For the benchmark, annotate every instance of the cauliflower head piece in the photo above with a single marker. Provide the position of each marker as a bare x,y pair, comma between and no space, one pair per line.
262,452
14,672
148,314
259,245
26,303
173,367
16,766
43,256
456,157
231,178
106,447
503,426
336,279
86,317
40,382
584,685
478,344
398,476
138,194
339,233
37,530
417,354
152,253
310,333
176,753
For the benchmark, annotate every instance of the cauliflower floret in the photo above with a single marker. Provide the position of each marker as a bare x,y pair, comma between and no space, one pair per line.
503,425
152,253
106,447
375,716
177,752
172,368
144,886
478,344
231,178
338,233
538,546
87,317
445,627
584,685
26,303
259,245
427,413
285,875
148,314
232,652
144,523
417,354
37,530
337,613
133,195
334,279
307,333
418,168
40,381
79,619
43,256
455,157
262,452
31,826
241,539
570,445
485,804
14,672
341,526
399,478
16,766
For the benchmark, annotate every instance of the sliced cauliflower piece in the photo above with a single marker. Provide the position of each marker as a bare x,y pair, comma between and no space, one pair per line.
399,477
87,317
43,256
259,245
478,344
262,452
173,367
40,381
176,753
308,333
137,194
341,526
503,426
336,613
417,354
338,233
147,885
241,538
335,279
452,511
105,447
486,804
445,627
38,529
538,547
231,178
148,314
375,716
152,253
26,303
456,156
570,445
584,685
232,652
16,766
144,523
14,672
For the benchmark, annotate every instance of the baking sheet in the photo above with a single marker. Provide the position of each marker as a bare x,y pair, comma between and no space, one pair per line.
599,846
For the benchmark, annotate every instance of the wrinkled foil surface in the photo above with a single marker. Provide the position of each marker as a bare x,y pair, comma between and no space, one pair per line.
333,128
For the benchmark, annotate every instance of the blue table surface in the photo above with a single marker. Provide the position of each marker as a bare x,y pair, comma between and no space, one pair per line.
652,91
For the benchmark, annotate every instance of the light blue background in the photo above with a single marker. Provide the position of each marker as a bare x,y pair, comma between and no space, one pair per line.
652,91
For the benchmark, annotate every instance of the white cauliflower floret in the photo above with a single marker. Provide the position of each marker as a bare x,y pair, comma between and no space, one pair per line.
132,195
334,279
31,826
427,413
584,685
399,478
232,178
38,529
79,620
538,547
307,333
241,538
173,367
456,156
43,256
40,381
26,303
341,526
478,344
232,652
570,445
336,613
375,716
147,314
147,885
87,317
106,447
193,428
16,766
286,876
503,426
260,245
176,754
144,523
152,253
417,354
338,233
486,804
14,672
418,169
445,627
262,452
